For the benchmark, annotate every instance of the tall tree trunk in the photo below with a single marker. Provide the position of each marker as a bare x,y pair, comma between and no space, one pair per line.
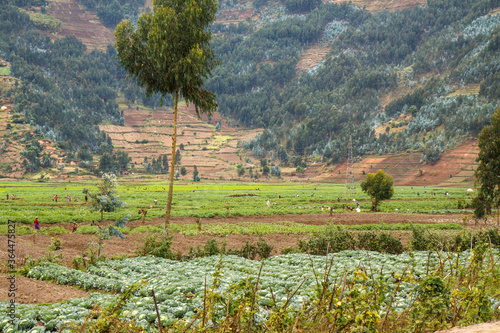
172,166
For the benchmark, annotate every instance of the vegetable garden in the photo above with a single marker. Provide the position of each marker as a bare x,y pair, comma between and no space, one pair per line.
180,287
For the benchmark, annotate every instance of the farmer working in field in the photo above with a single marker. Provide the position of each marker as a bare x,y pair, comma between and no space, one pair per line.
37,228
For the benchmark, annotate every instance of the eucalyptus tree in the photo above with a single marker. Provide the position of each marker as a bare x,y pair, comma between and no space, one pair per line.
168,51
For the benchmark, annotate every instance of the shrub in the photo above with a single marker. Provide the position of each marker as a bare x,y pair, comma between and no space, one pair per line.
383,242
289,250
423,240
55,244
158,248
263,249
335,239
248,251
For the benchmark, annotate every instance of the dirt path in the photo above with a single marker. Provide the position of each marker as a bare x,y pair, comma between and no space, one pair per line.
493,327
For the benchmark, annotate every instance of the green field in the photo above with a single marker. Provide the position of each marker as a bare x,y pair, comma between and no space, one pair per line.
210,199
5,70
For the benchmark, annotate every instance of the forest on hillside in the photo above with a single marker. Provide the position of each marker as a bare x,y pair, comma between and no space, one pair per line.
65,92
440,47
424,55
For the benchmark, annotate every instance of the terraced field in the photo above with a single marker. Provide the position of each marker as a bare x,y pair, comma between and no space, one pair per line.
455,167
148,133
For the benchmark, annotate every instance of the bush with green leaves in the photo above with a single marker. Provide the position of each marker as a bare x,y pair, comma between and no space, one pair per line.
383,242
55,244
334,239
157,245
248,251
430,240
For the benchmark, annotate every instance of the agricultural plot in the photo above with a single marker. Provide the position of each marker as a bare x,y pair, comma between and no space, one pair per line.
148,133
206,200
180,286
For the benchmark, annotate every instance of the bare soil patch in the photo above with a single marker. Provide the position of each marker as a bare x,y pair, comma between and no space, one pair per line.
389,5
455,167
37,292
81,23
311,57
492,327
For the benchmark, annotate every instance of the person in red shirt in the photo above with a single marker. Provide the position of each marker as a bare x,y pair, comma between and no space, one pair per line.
37,228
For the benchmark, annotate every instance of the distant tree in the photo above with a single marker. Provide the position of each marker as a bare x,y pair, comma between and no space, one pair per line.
114,162
265,170
294,6
196,178
183,171
178,157
275,171
31,156
164,162
379,186
240,170
488,169
84,154
104,199
168,51
282,155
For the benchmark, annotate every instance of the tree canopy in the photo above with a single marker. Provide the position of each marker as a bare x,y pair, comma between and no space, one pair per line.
379,186
168,49
488,170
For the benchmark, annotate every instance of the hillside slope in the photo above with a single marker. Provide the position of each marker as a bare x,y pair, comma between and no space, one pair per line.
327,74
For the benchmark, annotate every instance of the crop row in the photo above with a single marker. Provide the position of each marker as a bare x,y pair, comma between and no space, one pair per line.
240,228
